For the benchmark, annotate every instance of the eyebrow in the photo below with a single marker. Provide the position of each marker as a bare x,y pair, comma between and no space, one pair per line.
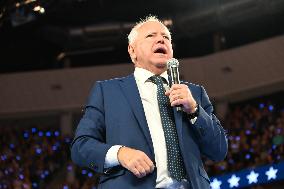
163,33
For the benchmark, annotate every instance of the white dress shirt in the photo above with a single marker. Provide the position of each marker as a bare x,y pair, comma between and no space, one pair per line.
148,94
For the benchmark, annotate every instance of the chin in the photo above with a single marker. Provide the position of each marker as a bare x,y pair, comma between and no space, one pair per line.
161,65
160,68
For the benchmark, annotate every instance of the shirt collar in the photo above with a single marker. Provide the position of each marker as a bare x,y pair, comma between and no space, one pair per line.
142,75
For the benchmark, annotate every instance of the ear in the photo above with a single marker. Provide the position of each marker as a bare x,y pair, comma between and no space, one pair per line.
132,53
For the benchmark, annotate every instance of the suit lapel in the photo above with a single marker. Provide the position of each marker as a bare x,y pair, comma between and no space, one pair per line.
130,90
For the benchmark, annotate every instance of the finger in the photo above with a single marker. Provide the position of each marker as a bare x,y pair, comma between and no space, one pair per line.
167,93
176,91
147,163
135,172
177,86
152,168
141,171
146,167
150,164
177,102
176,97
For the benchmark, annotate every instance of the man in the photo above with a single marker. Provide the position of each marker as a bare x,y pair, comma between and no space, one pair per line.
124,132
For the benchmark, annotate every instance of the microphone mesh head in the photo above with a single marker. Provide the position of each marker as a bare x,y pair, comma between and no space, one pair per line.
172,63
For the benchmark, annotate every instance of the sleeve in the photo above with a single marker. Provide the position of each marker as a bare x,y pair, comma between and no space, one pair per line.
212,137
88,148
111,156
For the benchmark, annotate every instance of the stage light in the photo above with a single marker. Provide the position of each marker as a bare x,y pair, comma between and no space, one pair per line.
39,9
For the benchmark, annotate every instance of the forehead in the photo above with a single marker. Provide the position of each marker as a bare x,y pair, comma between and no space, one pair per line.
153,26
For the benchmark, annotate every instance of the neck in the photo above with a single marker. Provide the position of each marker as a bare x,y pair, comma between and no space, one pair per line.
154,70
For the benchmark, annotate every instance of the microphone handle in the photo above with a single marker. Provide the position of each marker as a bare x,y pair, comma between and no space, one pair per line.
174,73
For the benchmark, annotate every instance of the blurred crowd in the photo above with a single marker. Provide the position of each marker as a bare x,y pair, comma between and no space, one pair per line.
29,157
256,137
34,157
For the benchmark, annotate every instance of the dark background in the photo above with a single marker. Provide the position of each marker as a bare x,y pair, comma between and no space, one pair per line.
73,33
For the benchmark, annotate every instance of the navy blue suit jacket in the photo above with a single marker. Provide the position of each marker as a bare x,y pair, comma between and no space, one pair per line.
114,115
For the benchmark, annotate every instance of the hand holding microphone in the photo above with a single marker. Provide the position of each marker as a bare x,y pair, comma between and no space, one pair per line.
179,94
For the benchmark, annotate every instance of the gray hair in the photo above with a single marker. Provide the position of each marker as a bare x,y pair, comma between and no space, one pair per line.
134,31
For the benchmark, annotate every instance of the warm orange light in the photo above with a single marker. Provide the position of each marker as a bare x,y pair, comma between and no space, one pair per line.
39,9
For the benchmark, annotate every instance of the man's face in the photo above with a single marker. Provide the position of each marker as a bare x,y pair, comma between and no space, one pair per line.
152,47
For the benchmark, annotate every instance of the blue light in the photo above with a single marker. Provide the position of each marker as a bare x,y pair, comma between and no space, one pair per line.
222,167
6,172
67,140
40,133
54,148
90,174
38,151
69,168
234,146
34,130
56,133
21,176
238,138
35,184
65,187
247,156
46,172
270,108
26,135
3,157
84,172
248,132
48,134
42,175
261,105
12,146
18,158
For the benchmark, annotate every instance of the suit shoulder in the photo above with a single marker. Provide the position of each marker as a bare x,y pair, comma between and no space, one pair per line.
192,85
114,80
195,88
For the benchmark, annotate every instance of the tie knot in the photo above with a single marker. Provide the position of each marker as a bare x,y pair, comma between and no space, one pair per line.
157,79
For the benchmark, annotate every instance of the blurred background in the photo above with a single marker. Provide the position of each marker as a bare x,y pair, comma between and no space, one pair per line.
52,52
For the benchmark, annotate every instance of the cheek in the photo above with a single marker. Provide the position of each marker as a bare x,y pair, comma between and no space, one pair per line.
141,54
170,55
170,48
145,50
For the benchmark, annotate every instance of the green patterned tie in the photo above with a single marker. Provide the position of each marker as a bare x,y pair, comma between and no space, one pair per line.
175,162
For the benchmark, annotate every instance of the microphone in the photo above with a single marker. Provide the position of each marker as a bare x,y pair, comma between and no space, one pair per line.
172,65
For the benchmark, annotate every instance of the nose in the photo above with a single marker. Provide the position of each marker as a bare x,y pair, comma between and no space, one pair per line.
160,39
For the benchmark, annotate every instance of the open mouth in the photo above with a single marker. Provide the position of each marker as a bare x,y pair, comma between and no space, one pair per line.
160,50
